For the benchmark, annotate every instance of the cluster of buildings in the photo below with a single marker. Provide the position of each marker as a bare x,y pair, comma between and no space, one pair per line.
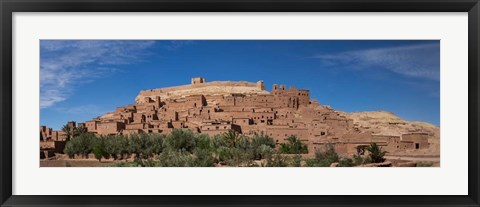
216,107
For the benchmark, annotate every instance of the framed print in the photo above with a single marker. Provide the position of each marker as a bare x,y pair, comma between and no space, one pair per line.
263,103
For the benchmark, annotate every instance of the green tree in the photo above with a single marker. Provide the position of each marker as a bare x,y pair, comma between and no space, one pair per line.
68,131
376,153
232,137
181,139
293,146
81,145
99,152
204,142
79,130
262,146
69,149
259,140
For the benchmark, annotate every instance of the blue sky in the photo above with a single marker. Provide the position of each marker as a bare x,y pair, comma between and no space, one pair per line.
80,80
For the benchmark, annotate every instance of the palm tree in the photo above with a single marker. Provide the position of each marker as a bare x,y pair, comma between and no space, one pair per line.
79,130
68,131
376,153
232,136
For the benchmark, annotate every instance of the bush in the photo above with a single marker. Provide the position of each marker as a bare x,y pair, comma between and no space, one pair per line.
346,162
202,158
235,156
324,157
327,153
358,160
295,161
259,140
277,160
293,146
262,146
262,152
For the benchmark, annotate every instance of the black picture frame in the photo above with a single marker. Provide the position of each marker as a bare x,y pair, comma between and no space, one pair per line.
7,7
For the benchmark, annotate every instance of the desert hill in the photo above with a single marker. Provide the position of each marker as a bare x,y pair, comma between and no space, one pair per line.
387,123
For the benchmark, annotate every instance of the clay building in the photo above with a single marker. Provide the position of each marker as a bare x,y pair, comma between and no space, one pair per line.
218,106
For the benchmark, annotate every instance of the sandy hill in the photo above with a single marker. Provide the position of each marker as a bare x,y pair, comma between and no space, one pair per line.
387,123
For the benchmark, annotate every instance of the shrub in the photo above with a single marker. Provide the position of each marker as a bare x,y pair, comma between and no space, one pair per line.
259,140
293,146
324,157
295,161
235,156
276,160
240,158
327,153
202,158
262,152
346,162
358,160
174,158
262,146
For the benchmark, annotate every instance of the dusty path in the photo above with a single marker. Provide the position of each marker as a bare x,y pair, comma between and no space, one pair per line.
430,159
74,163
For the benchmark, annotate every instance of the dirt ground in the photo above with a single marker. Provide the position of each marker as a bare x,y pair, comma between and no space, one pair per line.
434,160
74,163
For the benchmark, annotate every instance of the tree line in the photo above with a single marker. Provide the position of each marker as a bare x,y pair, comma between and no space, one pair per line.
183,148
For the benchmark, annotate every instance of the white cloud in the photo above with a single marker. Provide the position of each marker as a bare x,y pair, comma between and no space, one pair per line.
81,110
64,64
418,61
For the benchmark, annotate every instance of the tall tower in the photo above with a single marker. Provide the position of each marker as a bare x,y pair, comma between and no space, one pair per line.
260,85
197,80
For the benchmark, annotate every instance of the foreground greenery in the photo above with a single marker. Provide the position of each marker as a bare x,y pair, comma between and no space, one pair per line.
183,148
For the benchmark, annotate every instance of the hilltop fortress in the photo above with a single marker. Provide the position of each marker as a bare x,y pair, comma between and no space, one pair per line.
216,107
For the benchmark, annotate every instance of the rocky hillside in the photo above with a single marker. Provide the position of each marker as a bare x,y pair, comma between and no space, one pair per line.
387,123
208,88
